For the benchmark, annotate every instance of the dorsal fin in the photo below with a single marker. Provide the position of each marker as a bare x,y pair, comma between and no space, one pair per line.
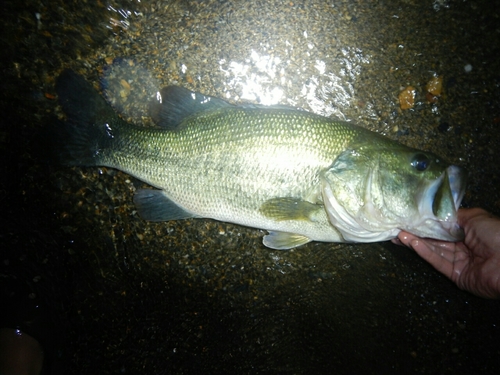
177,103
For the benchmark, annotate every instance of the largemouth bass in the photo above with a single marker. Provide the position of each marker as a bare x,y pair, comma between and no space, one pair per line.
298,175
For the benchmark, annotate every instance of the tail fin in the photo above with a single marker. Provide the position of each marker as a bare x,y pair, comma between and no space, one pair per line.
88,130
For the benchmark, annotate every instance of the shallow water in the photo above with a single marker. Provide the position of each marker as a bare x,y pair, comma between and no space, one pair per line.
199,296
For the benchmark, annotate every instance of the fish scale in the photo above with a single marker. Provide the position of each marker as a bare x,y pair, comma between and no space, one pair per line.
229,155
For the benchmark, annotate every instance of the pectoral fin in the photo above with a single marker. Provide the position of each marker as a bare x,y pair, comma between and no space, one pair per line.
281,209
284,241
154,205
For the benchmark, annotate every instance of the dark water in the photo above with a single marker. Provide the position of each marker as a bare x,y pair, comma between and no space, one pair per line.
123,296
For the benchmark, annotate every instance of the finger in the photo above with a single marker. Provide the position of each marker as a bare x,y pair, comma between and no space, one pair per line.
440,254
396,241
444,249
405,238
436,258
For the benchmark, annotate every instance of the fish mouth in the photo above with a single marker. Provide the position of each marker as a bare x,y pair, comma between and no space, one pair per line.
438,205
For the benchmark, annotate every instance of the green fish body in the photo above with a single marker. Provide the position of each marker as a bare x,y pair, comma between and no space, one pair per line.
301,176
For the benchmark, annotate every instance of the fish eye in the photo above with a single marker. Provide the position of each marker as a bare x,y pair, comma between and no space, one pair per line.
420,162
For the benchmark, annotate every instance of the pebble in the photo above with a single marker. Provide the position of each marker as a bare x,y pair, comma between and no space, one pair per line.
435,85
407,98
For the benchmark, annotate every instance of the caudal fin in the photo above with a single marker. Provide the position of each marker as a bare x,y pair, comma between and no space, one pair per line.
88,130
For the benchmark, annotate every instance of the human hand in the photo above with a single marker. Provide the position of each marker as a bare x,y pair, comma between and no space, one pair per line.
474,263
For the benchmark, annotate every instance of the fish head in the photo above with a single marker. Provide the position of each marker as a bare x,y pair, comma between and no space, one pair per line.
377,188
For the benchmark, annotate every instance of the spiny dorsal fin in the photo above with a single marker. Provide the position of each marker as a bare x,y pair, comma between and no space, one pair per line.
177,103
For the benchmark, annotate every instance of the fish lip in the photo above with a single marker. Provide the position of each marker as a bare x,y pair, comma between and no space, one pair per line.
456,179
437,220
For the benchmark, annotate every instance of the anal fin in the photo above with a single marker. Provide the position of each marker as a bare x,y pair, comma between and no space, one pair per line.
154,205
284,241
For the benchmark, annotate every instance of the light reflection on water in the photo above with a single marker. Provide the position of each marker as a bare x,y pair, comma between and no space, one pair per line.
437,5
264,78
120,18
253,77
296,72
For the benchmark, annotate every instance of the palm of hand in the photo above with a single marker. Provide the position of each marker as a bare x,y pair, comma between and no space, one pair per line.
473,264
